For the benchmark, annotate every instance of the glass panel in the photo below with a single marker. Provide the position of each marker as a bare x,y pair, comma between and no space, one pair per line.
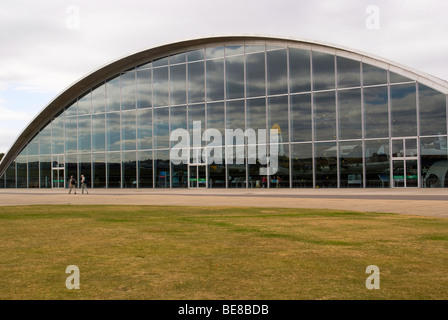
256,114
299,70
235,77
113,131
323,71
403,110
99,170
217,172
2,182
278,117
411,147
99,99
215,117
113,95
326,165
45,140
162,168
85,168
178,83
144,91
255,75
377,163
57,132
350,122
396,78
302,165
233,50
376,114
11,176
33,146
237,168
196,82
432,107
281,178
129,167
277,72
161,128
178,58
397,148
71,167
160,62
411,174
128,90
196,55
350,164
128,130
72,110
433,161
84,134
215,80
235,115
160,87
22,172
84,104
325,116
255,48
212,53
373,75
145,174
349,73
398,173
193,174
114,170
179,176
33,172
301,123
98,132
144,129
196,113
45,172
179,118
71,135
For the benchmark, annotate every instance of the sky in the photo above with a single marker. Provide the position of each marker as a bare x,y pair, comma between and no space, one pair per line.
46,46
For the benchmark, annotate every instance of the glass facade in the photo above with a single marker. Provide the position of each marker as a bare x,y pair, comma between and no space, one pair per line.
342,123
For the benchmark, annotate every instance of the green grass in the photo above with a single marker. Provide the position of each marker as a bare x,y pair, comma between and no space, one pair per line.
152,252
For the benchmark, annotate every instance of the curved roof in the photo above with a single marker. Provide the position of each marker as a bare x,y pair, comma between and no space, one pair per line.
112,69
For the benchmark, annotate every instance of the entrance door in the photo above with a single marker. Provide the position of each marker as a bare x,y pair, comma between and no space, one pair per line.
197,176
405,163
58,171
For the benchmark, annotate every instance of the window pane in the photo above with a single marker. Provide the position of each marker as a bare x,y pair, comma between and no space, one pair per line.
217,52
33,172
71,168
235,115
71,135
432,107
84,104
160,87
85,168
256,114
145,174
196,55
99,99
403,110
348,73
144,129
302,165
129,167
215,80
45,172
11,176
234,50
196,113
350,122
162,168
128,90
72,110
113,131
114,170
22,172
277,75
178,82
216,116
98,132
301,118
196,82
376,115
433,162
45,140
144,92
377,163
57,128
350,164
323,71
299,70
326,165
396,78
373,75
84,134
278,117
235,77
113,95
324,116
33,146
255,75
161,128
99,170
178,58
128,132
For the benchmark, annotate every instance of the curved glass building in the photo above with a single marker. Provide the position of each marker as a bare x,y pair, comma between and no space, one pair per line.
164,118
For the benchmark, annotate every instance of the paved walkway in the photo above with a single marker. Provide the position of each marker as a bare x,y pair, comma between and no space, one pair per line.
424,202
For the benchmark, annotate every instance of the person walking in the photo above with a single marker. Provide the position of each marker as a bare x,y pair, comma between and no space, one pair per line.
83,184
72,185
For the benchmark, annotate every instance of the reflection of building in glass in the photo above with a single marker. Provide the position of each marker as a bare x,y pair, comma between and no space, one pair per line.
345,119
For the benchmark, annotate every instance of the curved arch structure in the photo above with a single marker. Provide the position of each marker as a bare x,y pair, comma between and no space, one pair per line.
327,64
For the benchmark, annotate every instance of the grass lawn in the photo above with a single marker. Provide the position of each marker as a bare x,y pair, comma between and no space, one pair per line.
162,252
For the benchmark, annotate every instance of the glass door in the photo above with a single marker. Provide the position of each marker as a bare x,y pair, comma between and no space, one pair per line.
405,162
58,171
197,176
